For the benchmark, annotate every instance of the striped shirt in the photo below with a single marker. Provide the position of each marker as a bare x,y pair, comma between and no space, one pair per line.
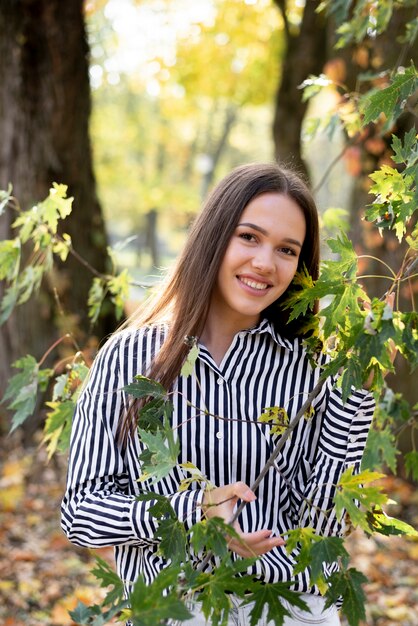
215,419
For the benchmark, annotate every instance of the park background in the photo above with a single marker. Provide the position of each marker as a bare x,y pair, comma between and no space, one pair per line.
174,95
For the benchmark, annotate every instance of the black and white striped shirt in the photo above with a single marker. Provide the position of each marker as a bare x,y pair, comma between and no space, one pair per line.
259,370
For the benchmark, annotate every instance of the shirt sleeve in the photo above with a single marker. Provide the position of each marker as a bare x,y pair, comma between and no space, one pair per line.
339,436
98,508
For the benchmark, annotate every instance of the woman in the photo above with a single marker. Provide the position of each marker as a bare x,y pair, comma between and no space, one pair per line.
256,229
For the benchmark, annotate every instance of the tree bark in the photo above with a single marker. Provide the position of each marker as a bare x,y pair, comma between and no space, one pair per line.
44,115
306,53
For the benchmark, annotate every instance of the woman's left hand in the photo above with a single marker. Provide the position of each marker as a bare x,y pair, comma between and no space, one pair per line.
221,502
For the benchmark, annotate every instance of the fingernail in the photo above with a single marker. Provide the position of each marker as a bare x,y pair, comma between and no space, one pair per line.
249,495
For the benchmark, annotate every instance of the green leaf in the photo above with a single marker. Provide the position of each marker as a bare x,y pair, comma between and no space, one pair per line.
82,614
96,296
391,100
172,536
301,541
348,585
9,258
409,347
107,577
119,287
383,524
405,151
380,449
150,415
210,535
29,281
350,491
159,459
271,595
188,365
144,387
326,551
411,464
227,576
158,601
8,302
57,429
22,389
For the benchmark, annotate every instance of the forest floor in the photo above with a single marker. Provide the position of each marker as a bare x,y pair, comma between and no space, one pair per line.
43,576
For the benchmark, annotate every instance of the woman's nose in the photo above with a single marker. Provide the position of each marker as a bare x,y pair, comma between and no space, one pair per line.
263,260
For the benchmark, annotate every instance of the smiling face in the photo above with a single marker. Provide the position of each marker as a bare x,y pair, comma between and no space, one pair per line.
260,261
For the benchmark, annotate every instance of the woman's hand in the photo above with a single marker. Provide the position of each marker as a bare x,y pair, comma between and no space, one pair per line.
221,502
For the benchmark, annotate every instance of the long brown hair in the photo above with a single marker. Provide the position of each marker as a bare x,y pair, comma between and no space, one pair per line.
185,296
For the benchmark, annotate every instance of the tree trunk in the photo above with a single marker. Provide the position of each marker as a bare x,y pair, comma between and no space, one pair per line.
44,114
306,53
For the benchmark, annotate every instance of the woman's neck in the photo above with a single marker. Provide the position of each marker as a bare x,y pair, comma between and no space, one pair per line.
218,335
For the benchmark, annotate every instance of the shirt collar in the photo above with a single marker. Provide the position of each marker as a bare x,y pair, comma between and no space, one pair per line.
265,326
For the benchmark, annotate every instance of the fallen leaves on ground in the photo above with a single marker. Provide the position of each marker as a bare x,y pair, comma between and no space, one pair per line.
44,576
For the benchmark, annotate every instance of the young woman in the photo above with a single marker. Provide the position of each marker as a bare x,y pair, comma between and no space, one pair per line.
257,228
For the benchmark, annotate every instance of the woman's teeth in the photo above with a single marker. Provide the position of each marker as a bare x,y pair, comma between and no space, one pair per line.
254,284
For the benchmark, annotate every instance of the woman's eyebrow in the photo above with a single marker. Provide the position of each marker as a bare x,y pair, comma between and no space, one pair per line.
264,232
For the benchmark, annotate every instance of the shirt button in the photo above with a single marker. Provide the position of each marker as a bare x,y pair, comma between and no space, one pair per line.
219,435
352,438
220,381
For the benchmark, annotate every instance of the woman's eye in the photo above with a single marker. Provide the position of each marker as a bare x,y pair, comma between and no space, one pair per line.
288,251
247,236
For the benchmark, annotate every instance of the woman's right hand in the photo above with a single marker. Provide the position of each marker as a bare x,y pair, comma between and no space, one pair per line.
221,502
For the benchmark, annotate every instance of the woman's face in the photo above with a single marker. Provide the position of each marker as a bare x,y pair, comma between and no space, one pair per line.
261,259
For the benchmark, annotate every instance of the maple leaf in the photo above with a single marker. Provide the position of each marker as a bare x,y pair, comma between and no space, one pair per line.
271,595
302,540
144,387
391,100
57,429
380,449
23,387
108,578
158,601
327,550
348,585
158,459
383,524
277,417
227,577
210,535
351,490
82,614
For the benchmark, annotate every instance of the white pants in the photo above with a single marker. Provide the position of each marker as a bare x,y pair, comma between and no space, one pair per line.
239,616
